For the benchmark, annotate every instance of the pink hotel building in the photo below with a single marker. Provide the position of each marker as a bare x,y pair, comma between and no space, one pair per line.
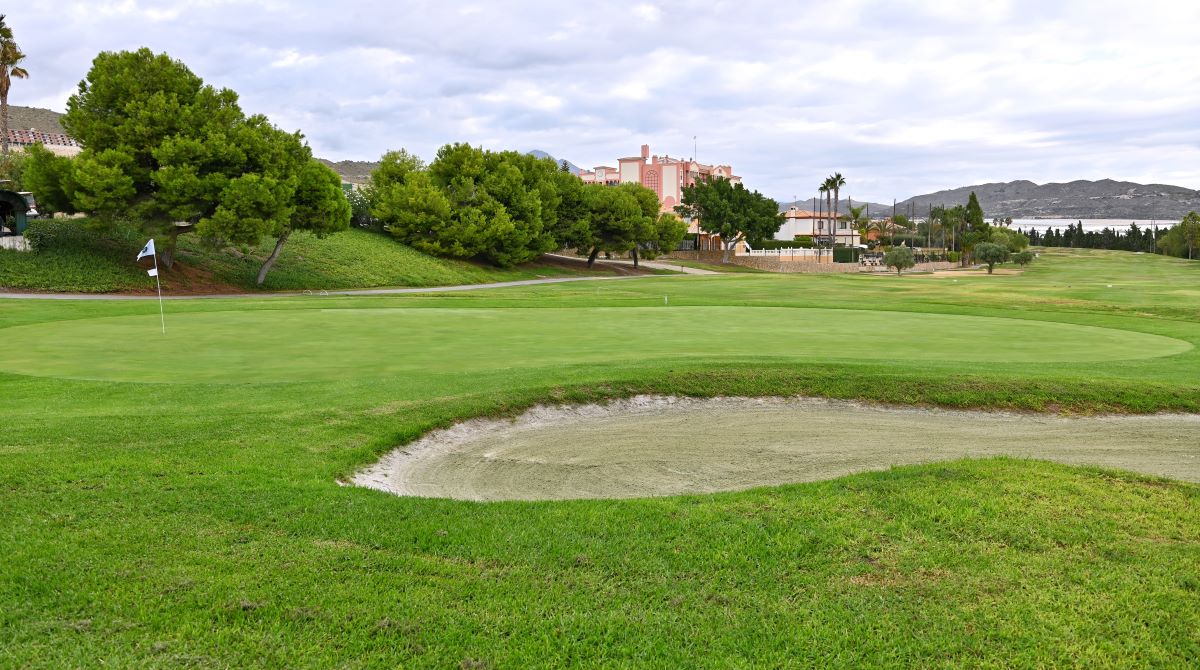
664,175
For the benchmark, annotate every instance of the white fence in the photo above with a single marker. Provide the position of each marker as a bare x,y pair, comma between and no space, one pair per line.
790,253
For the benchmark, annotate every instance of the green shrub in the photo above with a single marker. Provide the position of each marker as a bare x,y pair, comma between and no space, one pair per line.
46,234
846,254
954,256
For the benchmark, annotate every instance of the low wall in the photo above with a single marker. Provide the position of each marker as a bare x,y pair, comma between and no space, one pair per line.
770,264
14,242
786,265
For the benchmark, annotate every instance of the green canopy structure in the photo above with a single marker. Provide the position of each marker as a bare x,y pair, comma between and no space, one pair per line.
14,210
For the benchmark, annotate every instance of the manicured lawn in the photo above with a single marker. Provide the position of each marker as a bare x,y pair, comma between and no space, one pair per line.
173,501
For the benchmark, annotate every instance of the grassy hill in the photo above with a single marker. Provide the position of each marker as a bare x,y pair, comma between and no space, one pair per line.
45,120
80,260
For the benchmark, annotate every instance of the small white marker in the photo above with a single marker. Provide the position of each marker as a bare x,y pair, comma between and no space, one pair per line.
664,299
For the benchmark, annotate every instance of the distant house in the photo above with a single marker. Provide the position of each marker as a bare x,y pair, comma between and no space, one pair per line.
820,226
57,143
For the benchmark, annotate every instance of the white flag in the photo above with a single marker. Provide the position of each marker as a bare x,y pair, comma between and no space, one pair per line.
153,272
147,250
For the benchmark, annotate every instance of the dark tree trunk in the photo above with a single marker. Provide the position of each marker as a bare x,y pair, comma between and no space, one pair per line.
635,258
168,254
592,256
266,267
4,127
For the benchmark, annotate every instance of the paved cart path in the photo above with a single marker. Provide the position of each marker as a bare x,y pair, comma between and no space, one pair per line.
294,294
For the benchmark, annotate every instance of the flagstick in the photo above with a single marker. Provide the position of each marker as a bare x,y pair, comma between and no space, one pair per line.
158,283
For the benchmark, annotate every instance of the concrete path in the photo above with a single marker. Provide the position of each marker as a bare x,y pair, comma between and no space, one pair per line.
294,294
663,265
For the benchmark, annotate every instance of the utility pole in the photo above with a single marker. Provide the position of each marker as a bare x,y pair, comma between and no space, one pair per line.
928,226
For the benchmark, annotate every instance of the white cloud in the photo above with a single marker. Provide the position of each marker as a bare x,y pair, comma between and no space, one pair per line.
293,58
647,13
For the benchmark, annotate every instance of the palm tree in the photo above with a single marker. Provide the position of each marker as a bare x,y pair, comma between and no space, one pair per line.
836,182
823,189
828,189
10,67
860,221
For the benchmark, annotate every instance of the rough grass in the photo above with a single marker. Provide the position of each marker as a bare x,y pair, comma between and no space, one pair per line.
355,259
183,523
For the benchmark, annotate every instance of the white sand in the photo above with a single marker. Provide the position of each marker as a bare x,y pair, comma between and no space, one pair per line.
654,446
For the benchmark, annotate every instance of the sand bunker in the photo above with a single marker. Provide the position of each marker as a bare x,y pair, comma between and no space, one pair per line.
655,446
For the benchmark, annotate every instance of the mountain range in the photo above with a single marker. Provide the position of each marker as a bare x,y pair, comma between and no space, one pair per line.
542,154
1082,199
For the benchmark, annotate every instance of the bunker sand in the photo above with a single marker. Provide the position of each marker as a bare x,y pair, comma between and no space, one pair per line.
657,446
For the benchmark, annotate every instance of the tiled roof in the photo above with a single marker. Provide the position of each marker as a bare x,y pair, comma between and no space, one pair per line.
30,137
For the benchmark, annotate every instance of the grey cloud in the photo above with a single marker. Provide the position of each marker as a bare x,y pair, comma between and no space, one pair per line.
901,96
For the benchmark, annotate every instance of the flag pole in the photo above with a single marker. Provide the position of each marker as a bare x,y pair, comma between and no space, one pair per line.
158,283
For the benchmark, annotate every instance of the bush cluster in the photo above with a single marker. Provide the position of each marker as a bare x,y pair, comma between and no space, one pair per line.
507,208
44,234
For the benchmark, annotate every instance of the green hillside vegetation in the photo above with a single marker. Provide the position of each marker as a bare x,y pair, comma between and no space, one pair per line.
75,258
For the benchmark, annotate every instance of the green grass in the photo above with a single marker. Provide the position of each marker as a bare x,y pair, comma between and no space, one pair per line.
84,261
102,262
193,518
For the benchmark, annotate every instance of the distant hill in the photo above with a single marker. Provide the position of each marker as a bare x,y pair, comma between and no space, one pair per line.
542,154
24,118
875,209
1103,199
353,172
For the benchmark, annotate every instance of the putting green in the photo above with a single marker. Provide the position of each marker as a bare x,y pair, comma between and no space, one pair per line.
269,345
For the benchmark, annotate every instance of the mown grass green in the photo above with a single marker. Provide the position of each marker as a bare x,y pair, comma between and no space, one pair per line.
198,523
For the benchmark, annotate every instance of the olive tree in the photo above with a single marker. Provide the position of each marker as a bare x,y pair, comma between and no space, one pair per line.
991,254
900,258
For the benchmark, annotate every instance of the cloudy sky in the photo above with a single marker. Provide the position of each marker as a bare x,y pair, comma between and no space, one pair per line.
901,97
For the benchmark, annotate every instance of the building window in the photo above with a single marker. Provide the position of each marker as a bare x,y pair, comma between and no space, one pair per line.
652,180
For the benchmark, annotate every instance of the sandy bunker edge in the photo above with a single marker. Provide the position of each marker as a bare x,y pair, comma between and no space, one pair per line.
403,470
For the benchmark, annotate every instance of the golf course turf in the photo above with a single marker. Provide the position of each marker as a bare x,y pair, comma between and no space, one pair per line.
174,501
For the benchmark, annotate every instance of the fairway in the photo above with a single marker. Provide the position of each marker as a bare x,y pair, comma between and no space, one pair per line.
282,345
177,501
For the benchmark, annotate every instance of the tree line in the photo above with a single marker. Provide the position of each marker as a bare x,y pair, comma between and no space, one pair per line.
173,155
505,208
1179,240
